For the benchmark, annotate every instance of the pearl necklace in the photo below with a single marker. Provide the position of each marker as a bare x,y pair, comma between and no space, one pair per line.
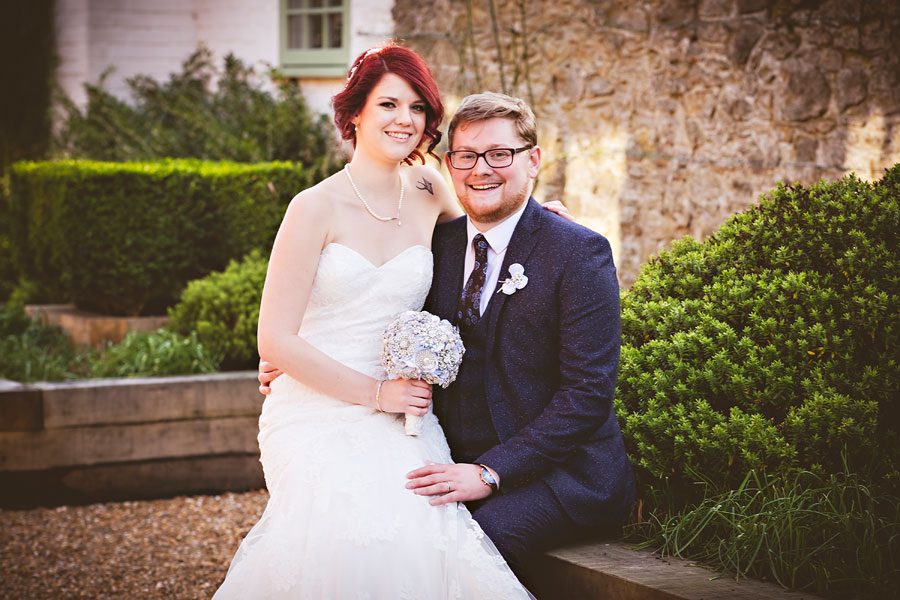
366,204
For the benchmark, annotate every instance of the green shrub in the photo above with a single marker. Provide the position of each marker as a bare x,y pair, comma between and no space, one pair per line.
155,353
125,238
771,346
202,112
30,351
223,309
8,275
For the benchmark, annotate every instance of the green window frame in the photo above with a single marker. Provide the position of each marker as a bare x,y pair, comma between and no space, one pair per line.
314,37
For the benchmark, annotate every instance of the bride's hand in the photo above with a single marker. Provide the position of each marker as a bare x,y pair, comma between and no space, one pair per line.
555,206
409,396
267,374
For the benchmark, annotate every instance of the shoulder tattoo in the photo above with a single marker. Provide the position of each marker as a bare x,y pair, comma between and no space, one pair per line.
425,185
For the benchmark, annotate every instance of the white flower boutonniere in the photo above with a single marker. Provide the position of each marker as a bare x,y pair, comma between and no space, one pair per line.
516,280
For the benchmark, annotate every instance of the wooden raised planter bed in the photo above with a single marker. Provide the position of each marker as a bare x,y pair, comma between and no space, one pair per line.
91,329
124,439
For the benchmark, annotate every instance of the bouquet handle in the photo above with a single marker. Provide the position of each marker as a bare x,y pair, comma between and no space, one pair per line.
414,424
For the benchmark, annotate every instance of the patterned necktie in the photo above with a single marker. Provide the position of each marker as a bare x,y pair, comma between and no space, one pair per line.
469,310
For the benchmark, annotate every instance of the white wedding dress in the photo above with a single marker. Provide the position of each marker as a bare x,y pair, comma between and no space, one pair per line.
340,523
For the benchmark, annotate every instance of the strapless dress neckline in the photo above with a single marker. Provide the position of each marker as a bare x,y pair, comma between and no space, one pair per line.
370,263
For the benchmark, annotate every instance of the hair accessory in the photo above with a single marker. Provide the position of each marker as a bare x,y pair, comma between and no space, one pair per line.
354,68
366,204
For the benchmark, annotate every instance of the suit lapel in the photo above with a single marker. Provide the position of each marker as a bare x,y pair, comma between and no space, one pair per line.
452,257
520,247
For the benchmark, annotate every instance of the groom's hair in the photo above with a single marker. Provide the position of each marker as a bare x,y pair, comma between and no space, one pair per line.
489,105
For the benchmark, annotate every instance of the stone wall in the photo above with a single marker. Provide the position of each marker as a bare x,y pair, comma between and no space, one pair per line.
661,118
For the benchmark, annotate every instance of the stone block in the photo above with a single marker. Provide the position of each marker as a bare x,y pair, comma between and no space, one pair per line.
749,6
852,86
84,446
715,9
805,148
807,92
743,42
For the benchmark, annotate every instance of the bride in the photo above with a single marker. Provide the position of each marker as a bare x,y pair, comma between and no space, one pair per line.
351,253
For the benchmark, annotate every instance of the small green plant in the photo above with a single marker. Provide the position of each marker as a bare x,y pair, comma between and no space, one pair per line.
223,309
832,535
155,353
30,351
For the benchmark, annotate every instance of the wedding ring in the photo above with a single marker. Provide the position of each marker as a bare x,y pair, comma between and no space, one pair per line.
449,487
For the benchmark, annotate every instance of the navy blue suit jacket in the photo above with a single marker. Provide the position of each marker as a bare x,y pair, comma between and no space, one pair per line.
552,358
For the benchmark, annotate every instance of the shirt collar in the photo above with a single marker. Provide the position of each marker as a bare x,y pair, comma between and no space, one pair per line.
499,235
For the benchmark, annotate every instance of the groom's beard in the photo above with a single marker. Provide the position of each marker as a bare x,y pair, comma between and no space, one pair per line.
495,212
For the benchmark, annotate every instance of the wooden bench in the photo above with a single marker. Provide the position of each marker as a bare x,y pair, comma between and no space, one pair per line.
612,571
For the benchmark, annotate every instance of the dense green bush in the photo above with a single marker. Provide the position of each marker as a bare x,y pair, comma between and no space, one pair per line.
202,112
223,309
125,238
155,353
772,346
8,274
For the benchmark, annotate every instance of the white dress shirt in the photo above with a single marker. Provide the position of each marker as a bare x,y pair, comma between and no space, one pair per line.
497,238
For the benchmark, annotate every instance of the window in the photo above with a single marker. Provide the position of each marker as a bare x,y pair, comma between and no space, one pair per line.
315,38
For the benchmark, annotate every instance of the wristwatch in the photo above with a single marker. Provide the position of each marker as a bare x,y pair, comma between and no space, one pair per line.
488,479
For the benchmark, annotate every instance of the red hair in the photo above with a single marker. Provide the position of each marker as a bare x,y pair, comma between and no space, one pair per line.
367,71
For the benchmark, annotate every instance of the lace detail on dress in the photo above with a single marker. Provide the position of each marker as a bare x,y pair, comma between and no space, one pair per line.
340,522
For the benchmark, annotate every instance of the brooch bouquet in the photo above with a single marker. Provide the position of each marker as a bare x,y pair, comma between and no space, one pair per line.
419,345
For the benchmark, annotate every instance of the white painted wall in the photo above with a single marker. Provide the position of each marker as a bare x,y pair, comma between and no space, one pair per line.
154,37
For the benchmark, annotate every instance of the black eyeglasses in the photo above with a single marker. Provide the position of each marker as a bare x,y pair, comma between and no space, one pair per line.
496,158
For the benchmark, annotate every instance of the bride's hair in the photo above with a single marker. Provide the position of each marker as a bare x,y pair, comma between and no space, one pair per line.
367,71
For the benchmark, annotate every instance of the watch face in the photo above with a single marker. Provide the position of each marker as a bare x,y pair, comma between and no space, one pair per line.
488,478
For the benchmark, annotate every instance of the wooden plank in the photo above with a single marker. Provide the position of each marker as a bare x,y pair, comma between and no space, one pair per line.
29,451
130,481
21,407
615,571
144,400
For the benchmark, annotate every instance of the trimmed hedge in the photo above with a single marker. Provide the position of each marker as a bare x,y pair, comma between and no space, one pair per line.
223,309
774,345
125,238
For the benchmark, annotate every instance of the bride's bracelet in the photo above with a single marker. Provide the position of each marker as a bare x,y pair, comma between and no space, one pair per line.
378,395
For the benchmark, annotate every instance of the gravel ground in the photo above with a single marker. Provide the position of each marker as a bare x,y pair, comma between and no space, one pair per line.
174,548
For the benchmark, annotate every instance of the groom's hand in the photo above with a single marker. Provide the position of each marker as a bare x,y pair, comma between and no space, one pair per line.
448,483
267,374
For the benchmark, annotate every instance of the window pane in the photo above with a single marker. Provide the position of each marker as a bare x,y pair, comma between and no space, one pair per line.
295,4
295,31
335,21
335,2
315,31
315,3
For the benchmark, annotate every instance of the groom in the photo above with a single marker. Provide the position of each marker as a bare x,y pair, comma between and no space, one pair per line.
530,420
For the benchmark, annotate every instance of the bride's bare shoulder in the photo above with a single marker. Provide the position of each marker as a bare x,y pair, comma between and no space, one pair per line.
318,201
